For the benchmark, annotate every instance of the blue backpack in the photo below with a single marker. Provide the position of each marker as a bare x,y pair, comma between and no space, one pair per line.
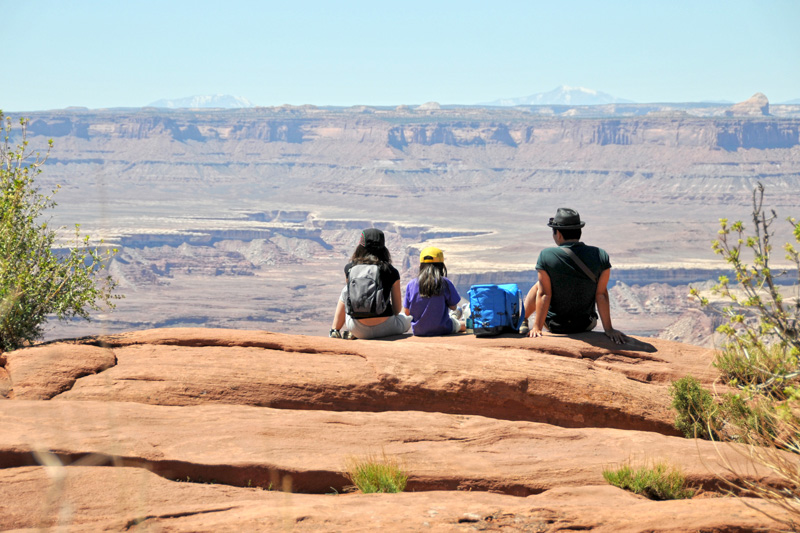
496,309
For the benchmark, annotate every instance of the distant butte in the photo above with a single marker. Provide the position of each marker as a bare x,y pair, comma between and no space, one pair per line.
755,106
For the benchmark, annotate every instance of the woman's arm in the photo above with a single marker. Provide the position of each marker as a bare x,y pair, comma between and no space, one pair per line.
339,316
397,303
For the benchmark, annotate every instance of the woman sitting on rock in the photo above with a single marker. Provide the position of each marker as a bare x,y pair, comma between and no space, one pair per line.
370,303
431,299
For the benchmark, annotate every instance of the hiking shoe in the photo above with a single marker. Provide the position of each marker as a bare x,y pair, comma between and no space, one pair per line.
348,335
334,334
524,329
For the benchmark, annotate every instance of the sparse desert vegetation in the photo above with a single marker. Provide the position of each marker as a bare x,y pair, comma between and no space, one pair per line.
376,473
758,361
656,481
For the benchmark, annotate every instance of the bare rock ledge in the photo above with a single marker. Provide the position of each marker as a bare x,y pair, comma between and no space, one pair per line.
584,381
504,433
131,499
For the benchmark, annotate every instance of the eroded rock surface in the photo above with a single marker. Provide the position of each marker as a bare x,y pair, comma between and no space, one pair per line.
41,372
585,381
502,433
132,499
203,204
240,445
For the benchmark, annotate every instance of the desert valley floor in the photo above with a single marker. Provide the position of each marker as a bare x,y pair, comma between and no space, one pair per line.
245,218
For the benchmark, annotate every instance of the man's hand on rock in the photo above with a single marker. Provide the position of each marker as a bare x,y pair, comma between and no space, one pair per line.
617,336
535,332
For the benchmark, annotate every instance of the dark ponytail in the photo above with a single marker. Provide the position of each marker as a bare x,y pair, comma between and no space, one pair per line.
431,279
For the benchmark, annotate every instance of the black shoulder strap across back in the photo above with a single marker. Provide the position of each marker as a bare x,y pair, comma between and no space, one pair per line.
581,264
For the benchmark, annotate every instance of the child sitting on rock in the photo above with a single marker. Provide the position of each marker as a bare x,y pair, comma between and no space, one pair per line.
430,297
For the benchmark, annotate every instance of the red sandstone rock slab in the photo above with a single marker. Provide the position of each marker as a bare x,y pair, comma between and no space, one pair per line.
645,359
5,383
641,359
41,372
578,381
117,499
572,382
241,445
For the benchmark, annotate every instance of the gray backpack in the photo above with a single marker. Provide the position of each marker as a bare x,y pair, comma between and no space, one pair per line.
365,298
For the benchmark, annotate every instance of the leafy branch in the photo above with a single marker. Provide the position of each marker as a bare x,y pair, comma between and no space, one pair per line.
36,280
758,315
759,358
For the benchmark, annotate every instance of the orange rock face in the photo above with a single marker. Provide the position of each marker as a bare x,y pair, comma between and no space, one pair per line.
504,433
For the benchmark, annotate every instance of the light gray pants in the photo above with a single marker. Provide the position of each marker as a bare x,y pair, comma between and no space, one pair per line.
394,325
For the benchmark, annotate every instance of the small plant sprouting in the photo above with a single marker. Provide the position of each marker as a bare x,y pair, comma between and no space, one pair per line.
657,482
376,474
696,410
199,480
250,485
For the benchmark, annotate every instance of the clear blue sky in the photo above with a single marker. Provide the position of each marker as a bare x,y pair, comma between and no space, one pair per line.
104,53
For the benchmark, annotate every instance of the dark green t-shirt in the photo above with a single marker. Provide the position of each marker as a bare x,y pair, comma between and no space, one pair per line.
572,306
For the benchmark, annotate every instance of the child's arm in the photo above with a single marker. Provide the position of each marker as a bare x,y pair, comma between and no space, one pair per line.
452,295
406,302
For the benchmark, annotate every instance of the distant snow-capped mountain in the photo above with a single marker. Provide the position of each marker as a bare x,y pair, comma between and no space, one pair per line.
563,95
225,101
792,102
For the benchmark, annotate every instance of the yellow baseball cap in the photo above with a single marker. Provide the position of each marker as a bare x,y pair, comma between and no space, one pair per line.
431,254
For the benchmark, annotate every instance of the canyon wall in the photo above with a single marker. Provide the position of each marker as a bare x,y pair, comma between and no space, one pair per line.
447,128
245,218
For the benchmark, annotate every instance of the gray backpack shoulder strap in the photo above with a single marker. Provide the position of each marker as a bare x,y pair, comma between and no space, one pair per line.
580,264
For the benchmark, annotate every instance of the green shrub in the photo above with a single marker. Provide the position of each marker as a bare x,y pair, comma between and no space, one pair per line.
746,362
696,409
35,281
740,416
659,482
760,358
372,474
752,418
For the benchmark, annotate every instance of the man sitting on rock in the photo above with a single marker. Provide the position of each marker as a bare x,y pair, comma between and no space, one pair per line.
573,279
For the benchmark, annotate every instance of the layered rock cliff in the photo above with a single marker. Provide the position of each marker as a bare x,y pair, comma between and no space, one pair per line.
446,128
245,217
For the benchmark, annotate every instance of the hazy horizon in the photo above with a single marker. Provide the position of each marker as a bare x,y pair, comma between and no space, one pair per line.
98,55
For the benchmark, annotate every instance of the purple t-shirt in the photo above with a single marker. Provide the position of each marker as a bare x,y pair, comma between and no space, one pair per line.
430,315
